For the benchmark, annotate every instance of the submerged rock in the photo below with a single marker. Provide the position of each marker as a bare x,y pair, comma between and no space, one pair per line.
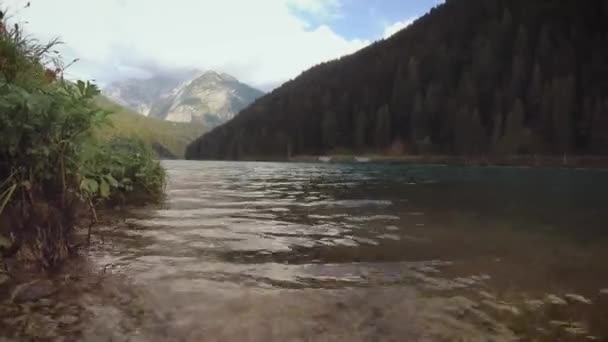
33,291
604,292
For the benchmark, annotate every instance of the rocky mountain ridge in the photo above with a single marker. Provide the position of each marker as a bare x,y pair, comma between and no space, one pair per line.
208,97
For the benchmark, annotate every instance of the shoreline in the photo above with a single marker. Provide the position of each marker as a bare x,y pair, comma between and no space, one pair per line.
528,161
544,161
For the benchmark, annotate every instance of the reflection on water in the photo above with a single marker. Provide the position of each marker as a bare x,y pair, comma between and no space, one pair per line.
268,251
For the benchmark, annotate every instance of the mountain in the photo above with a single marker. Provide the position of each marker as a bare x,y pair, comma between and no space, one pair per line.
212,98
209,98
168,139
471,77
140,94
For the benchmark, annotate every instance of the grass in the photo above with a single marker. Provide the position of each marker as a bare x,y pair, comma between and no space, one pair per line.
162,136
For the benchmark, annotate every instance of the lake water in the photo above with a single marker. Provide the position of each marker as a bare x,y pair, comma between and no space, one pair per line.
352,252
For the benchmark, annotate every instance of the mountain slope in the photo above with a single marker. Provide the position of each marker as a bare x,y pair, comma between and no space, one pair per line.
140,95
212,98
470,77
168,139
209,98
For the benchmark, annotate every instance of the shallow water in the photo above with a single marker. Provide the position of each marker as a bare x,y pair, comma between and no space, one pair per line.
357,252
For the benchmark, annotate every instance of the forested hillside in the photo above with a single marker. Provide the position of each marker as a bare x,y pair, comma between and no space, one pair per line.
474,77
168,139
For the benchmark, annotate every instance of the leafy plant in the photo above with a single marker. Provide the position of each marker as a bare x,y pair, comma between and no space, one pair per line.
50,161
124,168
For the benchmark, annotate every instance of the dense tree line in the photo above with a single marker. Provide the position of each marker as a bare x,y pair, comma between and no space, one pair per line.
474,77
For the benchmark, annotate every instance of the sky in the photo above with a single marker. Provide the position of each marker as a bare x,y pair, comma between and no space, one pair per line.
261,42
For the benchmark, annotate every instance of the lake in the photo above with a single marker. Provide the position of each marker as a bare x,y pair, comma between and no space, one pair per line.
350,252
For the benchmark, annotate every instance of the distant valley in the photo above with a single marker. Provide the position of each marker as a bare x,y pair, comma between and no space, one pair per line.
167,139
209,98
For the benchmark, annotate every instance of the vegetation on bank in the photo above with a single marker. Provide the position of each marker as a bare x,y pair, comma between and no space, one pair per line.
472,77
52,168
168,139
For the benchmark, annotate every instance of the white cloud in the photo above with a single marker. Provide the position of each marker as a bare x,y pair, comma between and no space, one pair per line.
393,28
260,42
316,7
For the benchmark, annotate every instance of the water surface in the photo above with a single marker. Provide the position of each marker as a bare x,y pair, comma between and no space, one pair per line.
357,252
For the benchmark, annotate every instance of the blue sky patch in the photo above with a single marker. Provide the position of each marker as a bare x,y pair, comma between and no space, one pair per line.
366,19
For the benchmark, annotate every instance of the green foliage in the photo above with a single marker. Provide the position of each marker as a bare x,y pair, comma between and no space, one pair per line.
43,129
124,168
168,139
49,160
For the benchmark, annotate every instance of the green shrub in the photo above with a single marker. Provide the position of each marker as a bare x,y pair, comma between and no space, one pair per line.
123,170
50,163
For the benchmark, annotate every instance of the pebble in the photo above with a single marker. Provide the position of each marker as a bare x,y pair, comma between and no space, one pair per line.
578,298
